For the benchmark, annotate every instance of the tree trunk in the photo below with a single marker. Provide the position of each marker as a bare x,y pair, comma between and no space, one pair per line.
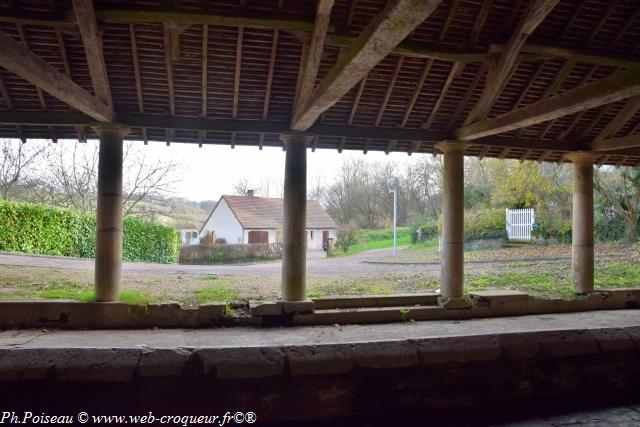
631,220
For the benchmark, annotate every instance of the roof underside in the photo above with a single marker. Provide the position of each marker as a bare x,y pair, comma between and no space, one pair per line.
407,102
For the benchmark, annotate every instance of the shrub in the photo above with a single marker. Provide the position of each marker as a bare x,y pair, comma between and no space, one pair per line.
228,254
345,239
556,231
427,232
484,225
40,229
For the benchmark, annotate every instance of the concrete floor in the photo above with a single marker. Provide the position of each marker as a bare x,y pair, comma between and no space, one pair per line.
313,335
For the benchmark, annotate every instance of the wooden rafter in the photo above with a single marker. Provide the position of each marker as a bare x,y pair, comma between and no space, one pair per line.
7,100
533,16
551,91
456,69
631,107
128,15
169,67
92,40
33,69
136,76
611,144
387,95
82,137
43,103
416,92
620,85
272,64
384,33
356,100
238,69
313,53
476,80
282,22
204,84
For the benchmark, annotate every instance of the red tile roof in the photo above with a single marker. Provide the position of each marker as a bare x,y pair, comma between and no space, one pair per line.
266,212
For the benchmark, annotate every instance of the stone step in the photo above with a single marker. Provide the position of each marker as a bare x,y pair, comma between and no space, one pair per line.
372,315
375,301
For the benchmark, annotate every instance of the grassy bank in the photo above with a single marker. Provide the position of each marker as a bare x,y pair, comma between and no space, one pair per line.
366,240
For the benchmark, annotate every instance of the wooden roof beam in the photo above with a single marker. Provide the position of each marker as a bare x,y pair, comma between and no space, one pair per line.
128,15
533,16
32,68
312,55
629,110
620,85
613,144
385,32
92,40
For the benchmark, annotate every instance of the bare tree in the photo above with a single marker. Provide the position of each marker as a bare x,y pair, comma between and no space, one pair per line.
146,178
16,160
71,172
241,187
621,189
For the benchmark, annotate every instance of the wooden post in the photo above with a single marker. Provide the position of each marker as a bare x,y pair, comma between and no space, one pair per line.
452,256
582,254
108,264
295,216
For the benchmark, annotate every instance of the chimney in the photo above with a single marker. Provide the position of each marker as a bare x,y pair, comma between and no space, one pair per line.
250,193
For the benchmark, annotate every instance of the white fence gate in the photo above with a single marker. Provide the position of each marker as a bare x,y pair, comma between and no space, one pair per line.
520,223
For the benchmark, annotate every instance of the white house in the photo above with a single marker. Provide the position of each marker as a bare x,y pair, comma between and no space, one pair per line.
188,236
249,219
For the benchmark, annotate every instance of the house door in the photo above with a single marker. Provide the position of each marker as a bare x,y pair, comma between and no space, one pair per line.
325,239
258,237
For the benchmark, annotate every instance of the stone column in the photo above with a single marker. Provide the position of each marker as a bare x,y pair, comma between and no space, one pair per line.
582,221
452,254
294,265
108,264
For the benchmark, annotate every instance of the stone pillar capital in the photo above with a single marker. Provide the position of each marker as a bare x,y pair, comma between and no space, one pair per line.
451,146
294,137
582,158
111,129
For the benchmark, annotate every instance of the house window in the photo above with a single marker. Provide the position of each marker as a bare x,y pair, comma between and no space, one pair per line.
194,234
311,234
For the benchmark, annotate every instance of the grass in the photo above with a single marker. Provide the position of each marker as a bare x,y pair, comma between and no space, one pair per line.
221,293
366,240
542,279
544,284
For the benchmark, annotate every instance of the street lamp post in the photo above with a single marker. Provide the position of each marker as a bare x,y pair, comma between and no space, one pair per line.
394,189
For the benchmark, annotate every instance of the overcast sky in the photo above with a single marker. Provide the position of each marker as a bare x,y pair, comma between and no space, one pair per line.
212,171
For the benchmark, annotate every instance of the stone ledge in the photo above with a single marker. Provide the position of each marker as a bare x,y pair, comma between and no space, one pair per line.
326,303
126,364
107,315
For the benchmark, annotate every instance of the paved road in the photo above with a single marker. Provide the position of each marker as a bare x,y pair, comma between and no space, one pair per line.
365,263
351,265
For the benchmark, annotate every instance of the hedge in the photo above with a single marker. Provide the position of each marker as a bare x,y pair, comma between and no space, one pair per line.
229,253
40,229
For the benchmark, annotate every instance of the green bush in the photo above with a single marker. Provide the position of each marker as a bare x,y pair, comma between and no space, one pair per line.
427,232
345,239
484,225
39,229
557,231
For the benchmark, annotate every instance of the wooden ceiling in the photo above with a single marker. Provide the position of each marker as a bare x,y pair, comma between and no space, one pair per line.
524,79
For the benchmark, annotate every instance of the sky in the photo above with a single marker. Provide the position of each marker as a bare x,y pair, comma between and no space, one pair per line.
211,171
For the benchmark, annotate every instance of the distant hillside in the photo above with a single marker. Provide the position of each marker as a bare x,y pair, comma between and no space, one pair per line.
179,212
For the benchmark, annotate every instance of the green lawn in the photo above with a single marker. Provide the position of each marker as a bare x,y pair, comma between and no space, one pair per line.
366,240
